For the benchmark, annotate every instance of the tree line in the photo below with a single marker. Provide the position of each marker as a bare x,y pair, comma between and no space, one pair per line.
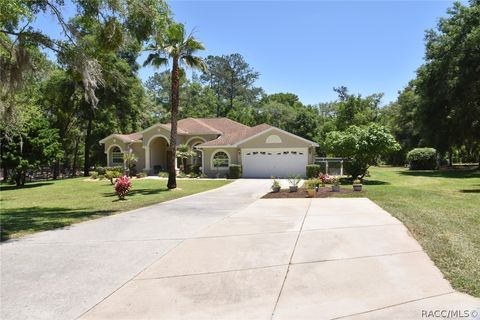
60,96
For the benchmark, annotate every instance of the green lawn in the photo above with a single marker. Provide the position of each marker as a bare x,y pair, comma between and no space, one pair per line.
442,211
47,205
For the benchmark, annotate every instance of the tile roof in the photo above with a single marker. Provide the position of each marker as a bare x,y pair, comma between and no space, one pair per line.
137,136
229,132
235,136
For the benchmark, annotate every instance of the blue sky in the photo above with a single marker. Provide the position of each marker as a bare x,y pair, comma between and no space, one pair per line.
309,47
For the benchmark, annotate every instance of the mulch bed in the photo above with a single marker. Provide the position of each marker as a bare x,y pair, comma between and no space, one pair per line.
302,193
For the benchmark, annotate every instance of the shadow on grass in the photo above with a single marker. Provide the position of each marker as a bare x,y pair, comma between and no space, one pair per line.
375,182
36,219
347,181
470,191
6,187
143,192
459,174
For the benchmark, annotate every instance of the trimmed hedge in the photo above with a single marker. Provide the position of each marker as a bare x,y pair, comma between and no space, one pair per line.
422,159
313,170
234,171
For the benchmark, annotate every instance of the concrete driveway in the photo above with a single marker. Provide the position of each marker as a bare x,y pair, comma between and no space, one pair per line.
226,255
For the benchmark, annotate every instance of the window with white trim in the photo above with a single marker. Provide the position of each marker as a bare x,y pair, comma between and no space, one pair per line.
117,156
220,160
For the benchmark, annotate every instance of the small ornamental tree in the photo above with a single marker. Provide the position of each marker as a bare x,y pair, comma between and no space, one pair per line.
362,145
122,187
184,152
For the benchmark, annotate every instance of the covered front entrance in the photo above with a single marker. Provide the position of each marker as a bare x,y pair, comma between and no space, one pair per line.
157,154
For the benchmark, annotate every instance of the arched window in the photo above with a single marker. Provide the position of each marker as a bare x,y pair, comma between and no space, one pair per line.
220,159
117,156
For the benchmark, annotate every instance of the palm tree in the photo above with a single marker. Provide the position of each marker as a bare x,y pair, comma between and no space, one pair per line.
176,45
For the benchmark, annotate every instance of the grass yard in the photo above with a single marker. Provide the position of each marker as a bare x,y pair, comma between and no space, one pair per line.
47,205
442,211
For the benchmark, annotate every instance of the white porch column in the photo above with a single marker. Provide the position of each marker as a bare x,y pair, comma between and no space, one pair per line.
108,158
341,168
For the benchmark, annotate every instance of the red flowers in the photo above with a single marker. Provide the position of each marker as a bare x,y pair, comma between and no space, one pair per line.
122,187
324,178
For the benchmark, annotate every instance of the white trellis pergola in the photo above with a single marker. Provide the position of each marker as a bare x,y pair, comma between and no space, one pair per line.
331,165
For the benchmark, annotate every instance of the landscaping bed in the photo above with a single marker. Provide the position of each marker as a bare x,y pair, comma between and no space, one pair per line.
302,193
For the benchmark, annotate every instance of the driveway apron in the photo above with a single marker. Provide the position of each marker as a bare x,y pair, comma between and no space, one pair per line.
291,259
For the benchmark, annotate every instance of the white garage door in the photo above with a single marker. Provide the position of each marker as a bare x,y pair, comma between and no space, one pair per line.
264,163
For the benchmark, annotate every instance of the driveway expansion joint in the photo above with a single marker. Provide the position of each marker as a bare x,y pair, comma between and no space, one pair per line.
358,258
394,305
211,272
290,261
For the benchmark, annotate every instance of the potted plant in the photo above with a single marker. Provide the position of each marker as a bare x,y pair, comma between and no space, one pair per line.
275,185
335,184
311,186
294,181
357,185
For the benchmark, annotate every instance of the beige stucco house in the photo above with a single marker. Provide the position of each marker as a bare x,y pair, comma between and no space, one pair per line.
262,151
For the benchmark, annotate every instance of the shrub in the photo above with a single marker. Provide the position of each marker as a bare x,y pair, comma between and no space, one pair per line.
182,175
163,174
313,170
94,175
422,159
112,175
311,183
141,175
122,187
203,176
100,170
324,178
101,176
193,168
234,171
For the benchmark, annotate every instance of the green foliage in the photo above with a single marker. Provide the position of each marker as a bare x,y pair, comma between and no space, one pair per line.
184,152
448,84
362,145
355,110
231,78
234,171
37,145
163,174
94,175
193,168
275,184
294,180
422,159
100,170
312,183
112,175
313,170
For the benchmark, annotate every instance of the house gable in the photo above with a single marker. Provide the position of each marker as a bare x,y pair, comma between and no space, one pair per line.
275,138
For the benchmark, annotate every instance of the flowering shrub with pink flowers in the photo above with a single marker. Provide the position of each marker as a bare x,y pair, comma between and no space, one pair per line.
325,178
122,187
